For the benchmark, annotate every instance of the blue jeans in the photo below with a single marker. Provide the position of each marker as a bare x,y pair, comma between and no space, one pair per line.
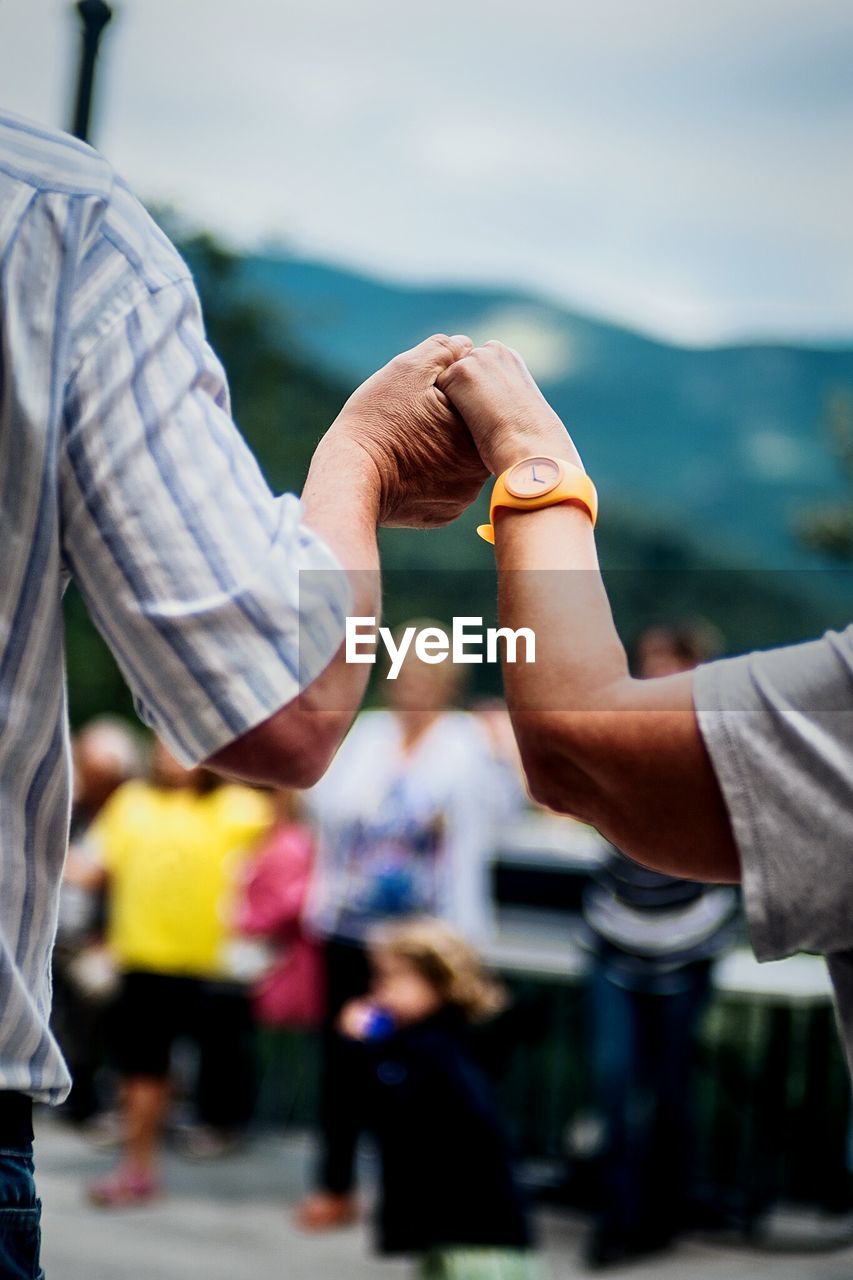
642,1055
20,1216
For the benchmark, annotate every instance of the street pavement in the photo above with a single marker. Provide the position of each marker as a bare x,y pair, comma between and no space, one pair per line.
230,1220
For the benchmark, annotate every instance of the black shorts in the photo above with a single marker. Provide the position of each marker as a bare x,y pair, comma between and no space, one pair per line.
152,1010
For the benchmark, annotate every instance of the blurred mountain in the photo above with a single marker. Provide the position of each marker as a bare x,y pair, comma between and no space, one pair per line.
723,443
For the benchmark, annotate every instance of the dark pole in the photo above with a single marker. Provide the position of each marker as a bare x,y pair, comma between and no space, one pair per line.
95,15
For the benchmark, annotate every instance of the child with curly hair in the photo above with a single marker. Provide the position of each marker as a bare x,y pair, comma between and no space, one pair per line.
448,1192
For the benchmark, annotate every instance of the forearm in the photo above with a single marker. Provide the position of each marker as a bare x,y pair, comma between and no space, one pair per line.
294,747
341,505
623,754
549,580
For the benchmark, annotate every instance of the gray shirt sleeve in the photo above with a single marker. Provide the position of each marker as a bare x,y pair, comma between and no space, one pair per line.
779,730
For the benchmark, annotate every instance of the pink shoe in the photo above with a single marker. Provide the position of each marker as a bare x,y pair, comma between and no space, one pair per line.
124,1188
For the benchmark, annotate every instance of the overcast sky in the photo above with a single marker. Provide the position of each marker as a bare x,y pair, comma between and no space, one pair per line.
684,166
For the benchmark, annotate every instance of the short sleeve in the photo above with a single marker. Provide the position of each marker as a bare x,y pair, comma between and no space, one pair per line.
779,730
217,601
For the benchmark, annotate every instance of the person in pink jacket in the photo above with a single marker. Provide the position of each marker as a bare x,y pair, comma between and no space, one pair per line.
289,987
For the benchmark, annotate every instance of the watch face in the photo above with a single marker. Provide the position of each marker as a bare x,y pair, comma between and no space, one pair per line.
533,477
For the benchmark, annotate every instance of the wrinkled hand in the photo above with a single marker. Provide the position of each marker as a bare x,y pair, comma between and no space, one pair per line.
428,469
503,408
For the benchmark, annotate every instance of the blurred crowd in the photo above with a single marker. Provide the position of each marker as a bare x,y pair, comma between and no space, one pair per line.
196,912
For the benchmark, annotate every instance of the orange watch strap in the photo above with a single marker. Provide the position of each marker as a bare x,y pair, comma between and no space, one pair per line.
573,485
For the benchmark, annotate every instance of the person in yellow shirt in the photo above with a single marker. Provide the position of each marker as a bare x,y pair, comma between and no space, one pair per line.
170,850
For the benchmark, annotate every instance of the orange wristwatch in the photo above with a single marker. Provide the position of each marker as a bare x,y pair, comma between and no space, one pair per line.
540,482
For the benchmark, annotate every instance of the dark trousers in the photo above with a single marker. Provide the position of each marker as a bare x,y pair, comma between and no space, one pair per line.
643,1048
20,1208
227,1070
342,1088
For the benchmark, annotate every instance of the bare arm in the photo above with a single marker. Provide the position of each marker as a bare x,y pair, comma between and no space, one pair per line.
294,747
625,755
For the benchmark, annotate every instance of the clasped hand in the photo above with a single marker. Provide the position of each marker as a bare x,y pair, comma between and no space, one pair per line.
437,420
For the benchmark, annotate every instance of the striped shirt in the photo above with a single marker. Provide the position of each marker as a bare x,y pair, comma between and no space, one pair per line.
647,926
121,468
